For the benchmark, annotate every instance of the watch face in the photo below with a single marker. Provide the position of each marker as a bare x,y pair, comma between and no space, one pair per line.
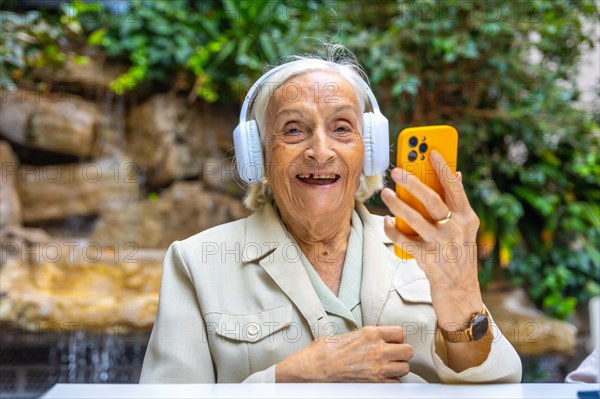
479,327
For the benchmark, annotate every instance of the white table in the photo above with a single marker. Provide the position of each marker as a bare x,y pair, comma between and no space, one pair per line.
133,391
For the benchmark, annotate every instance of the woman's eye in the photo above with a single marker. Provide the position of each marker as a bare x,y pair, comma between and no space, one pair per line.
341,129
293,134
293,129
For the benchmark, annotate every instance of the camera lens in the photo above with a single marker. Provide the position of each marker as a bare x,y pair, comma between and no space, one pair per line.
413,141
412,156
423,148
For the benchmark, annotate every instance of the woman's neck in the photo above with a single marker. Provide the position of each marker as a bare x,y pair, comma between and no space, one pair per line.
323,240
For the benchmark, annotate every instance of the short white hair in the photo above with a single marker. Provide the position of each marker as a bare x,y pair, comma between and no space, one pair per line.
339,60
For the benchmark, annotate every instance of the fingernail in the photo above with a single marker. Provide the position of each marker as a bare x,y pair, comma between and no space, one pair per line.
398,174
388,220
459,174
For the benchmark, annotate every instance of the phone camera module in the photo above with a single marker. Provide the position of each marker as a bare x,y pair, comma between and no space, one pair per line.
413,141
423,148
412,156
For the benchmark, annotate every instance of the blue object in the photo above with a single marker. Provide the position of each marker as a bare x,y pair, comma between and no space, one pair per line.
588,394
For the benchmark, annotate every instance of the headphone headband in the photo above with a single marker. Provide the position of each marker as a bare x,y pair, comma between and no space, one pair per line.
249,99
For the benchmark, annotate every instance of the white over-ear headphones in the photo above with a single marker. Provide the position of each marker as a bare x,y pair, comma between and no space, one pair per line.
248,150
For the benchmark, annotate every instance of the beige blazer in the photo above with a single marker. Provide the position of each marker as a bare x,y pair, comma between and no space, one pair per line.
235,300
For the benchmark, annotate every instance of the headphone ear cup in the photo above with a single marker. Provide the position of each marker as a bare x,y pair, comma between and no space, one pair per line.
368,143
255,163
381,143
376,140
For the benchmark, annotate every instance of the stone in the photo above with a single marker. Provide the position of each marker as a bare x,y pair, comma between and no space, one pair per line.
16,241
171,138
95,76
136,223
10,205
221,175
213,125
179,212
177,162
57,122
82,293
58,191
153,128
529,330
197,210
26,235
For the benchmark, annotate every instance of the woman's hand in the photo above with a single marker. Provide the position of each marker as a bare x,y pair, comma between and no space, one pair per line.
447,252
370,354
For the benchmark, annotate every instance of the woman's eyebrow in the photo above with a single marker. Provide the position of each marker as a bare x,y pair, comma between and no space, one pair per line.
344,107
289,111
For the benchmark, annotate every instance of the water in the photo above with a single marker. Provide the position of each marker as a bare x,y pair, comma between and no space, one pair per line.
108,358
31,363
111,141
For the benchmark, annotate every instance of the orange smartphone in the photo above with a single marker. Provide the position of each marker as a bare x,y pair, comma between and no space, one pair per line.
414,147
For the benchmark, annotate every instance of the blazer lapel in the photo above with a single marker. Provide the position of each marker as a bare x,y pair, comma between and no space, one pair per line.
383,271
379,267
378,274
278,256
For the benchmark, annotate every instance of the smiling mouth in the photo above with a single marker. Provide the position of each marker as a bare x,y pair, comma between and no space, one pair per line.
318,180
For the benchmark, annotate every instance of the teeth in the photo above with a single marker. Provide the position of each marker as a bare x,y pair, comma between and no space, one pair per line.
310,175
330,176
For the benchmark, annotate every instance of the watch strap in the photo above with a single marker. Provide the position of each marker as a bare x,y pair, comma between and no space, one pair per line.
464,335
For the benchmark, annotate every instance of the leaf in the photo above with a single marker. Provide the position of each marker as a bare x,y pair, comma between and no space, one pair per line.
96,37
5,81
81,59
267,46
223,54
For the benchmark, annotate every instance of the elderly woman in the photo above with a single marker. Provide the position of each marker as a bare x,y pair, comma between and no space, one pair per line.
308,289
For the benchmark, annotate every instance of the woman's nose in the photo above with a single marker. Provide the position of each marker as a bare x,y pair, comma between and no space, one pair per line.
319,148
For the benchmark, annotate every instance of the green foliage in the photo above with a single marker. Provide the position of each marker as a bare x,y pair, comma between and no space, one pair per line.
216,47
529,156
501,72
31,41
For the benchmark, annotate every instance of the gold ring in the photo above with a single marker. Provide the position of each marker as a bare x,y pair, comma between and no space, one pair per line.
444,220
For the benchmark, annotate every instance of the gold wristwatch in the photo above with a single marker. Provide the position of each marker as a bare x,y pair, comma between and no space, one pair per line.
477,329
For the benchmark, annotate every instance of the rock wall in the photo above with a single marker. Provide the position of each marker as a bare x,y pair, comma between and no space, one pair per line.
55,122
84,168
10,206
110,164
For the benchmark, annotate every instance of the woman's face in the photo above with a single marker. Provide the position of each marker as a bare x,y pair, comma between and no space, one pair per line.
314,148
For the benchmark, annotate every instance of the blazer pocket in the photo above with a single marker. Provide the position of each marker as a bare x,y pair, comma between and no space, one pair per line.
417,291
255,326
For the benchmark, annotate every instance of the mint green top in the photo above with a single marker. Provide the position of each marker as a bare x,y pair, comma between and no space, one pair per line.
343,310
